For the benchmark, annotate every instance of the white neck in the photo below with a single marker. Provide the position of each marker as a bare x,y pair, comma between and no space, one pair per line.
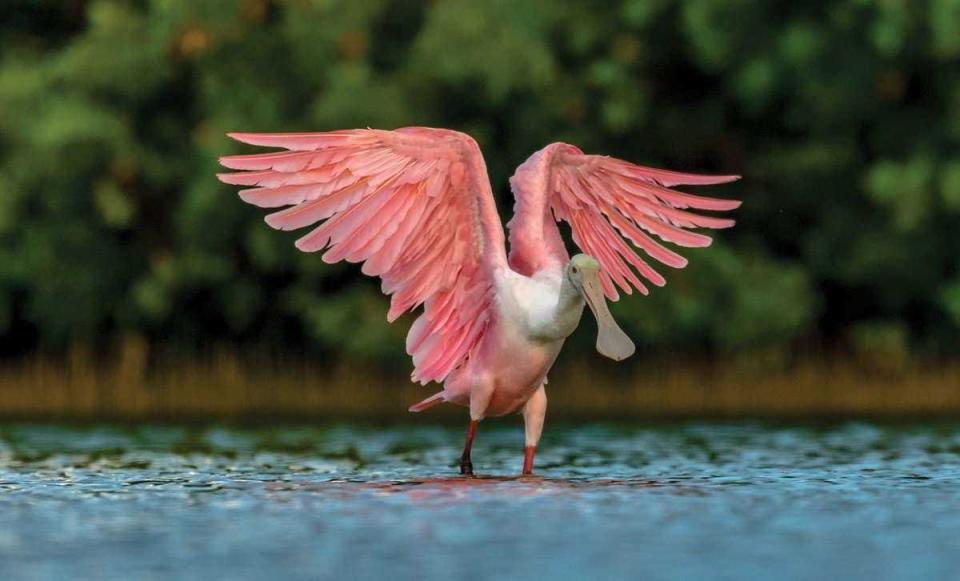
544,307
567,312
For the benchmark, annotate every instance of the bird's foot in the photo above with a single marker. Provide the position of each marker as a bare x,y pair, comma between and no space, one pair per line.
466,467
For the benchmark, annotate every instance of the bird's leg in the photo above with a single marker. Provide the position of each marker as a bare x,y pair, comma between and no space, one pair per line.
480,396
466,466
528,452
534,412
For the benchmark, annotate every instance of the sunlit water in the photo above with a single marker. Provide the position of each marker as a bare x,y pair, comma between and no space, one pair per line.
687,501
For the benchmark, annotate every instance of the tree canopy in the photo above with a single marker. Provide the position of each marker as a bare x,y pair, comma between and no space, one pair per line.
842,115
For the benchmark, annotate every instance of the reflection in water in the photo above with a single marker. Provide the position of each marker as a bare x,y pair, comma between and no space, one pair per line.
680,501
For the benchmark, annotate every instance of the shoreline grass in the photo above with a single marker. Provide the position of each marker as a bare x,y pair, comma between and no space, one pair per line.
228,385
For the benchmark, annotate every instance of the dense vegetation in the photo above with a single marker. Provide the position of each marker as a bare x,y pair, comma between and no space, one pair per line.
843,116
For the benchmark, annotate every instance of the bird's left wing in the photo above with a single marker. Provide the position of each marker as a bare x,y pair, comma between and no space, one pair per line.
607,202
414,205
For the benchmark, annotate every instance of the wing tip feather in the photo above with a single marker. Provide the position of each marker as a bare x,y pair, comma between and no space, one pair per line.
249,195
263,139
242,136
733,204
305,243
708,179
276,221
727,179
232,178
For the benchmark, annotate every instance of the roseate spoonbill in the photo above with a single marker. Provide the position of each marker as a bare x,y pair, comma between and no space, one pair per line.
414,205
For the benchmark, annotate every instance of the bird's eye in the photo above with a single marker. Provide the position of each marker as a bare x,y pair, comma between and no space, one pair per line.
575,270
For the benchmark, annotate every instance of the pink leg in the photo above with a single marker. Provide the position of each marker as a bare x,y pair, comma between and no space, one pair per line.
533,413
466,466
528,453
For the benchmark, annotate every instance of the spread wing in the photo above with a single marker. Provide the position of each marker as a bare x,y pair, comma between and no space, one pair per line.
414,205
607,203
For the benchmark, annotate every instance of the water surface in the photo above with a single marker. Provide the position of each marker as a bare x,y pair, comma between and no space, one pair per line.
684,501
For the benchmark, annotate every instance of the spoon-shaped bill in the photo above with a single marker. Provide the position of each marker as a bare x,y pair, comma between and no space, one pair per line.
612,342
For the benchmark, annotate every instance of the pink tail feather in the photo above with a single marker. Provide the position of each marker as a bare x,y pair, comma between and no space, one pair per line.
428,403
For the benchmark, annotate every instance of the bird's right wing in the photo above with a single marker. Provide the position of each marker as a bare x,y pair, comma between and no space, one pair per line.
414,205
607,202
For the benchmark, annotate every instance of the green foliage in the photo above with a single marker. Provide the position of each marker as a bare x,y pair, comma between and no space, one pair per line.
843,116
727,300
882,344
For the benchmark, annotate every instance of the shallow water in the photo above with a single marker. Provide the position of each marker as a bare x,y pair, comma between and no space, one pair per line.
684,501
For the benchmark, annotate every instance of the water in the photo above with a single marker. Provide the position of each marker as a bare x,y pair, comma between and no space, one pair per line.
685,501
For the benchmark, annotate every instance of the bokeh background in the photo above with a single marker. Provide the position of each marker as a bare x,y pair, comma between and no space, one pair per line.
133,284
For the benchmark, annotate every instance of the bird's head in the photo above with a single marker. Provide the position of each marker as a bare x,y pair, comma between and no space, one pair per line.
583,271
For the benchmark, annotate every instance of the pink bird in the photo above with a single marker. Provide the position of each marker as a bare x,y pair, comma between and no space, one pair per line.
415,206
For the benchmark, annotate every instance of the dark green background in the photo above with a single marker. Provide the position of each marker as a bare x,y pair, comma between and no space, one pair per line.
843,117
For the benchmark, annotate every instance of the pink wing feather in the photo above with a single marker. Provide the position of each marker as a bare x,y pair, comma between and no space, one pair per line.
607,202
414,205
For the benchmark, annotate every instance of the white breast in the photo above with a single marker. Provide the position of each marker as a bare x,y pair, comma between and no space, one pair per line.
529,304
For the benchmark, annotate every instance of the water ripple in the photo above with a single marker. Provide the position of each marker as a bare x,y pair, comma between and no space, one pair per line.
859,501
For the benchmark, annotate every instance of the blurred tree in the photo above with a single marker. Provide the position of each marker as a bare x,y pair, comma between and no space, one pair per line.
843,115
